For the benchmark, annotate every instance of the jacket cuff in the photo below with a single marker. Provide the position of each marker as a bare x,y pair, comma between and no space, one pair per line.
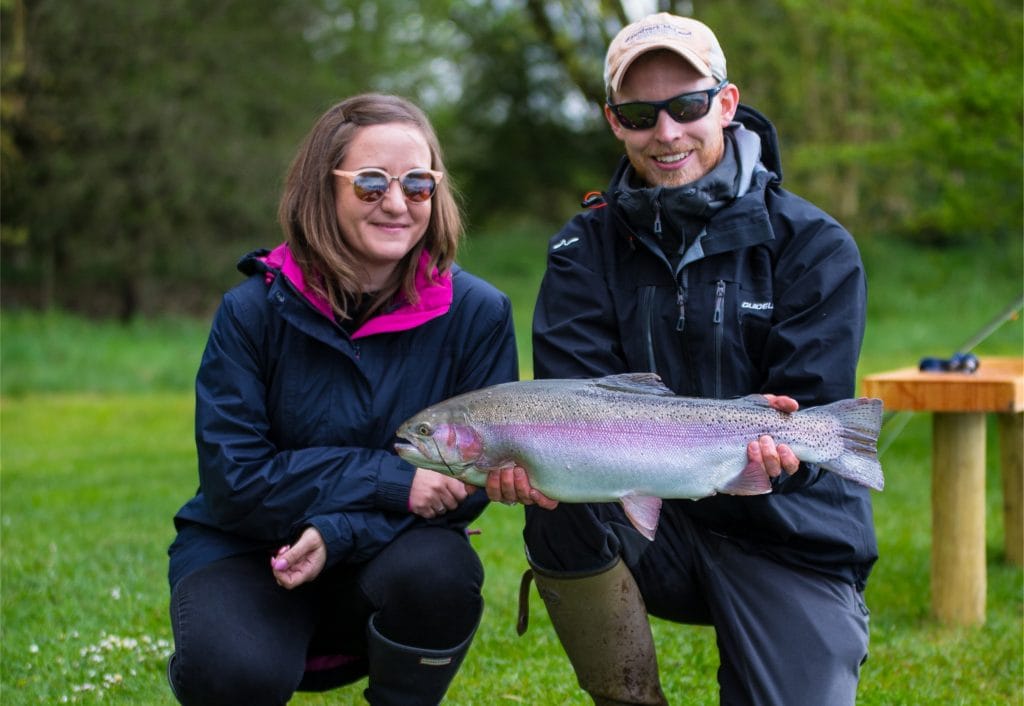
394,482
337,535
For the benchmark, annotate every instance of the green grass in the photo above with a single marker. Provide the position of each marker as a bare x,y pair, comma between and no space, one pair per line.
96,455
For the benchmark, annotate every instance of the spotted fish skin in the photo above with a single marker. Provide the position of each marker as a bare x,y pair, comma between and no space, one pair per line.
630,439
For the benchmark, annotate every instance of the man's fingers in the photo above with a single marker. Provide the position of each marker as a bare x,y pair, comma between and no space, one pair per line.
770,456
521,485
493,486
790,463
542,500
782,403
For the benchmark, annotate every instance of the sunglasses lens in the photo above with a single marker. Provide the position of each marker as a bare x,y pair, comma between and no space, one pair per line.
685,108
418,186
689,107
370,186
637,116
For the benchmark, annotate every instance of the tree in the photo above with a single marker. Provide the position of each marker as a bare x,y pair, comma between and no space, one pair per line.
142,144
153,136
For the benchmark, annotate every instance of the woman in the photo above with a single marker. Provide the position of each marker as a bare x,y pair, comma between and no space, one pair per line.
312,555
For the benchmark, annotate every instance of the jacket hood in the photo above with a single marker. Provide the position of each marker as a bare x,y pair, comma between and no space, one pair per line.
433,289
755,121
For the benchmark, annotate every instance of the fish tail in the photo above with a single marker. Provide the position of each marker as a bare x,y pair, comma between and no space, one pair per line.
861,422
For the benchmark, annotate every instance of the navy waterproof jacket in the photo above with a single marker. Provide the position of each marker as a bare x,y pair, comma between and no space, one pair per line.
296,419
771,301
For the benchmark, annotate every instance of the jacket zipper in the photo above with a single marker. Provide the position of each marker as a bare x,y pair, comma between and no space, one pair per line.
681,301
647,314
719,334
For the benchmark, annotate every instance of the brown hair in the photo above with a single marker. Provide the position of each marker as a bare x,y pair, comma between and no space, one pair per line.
309,219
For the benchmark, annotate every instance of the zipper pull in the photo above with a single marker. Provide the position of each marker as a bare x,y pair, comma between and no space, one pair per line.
681,302
719,301
657,218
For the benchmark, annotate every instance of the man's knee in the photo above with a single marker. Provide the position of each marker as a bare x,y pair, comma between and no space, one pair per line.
571,538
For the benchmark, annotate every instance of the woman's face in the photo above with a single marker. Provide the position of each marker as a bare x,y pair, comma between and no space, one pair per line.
383,232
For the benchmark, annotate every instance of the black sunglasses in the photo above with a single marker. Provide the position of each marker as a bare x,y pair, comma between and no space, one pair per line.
684,108
371,184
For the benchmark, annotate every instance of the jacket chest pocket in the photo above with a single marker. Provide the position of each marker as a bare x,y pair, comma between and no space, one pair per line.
727,327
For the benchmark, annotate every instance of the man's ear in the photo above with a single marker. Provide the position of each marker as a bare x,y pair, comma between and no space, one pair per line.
730,101
613,122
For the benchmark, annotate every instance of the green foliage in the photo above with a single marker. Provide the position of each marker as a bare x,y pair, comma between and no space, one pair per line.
150,146
143,143
897,117
525,142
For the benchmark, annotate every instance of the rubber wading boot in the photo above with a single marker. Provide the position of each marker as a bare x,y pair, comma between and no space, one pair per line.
602,623
401,675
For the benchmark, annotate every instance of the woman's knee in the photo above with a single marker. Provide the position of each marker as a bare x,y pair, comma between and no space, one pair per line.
428,593
239,638
200,676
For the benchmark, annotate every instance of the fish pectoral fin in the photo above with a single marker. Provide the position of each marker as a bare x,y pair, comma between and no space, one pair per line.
752,480
643,512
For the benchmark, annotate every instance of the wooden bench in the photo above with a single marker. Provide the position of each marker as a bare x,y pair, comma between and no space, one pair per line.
959,403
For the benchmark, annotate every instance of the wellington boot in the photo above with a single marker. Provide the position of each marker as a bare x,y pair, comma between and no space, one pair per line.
401,675
602,623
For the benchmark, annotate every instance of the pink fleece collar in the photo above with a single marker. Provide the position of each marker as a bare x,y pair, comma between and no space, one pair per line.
435,296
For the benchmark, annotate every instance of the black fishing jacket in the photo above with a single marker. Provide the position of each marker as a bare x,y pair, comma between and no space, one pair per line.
296,418
772,300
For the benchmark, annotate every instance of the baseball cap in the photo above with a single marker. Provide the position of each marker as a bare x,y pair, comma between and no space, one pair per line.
690,39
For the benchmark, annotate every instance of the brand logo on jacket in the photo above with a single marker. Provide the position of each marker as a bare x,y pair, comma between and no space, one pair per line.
564,242
757,306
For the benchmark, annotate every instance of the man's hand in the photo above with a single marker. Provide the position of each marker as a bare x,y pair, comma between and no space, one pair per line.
775,457
511,485
301,562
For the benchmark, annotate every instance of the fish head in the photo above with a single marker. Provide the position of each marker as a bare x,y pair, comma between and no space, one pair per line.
442,441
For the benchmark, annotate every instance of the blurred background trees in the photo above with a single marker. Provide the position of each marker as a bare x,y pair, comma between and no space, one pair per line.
144,142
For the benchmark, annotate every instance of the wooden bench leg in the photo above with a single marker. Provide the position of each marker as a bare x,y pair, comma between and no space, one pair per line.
1011,464
959,580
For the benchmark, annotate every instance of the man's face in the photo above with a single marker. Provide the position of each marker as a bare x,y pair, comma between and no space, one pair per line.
671,153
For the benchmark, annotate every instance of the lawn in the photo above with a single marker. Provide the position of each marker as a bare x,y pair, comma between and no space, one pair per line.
96,455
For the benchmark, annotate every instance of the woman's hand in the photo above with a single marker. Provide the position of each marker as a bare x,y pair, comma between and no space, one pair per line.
296,564
433,494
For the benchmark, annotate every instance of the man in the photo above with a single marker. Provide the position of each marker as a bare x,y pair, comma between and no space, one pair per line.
697,265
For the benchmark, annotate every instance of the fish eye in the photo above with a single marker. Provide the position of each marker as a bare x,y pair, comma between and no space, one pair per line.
424,429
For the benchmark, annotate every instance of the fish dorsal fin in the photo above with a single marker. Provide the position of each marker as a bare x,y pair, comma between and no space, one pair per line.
637,383
643,512
756,400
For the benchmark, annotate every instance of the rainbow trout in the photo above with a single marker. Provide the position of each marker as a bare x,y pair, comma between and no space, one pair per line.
630,439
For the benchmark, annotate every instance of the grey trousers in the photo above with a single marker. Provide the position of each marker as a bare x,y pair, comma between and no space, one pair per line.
786,636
